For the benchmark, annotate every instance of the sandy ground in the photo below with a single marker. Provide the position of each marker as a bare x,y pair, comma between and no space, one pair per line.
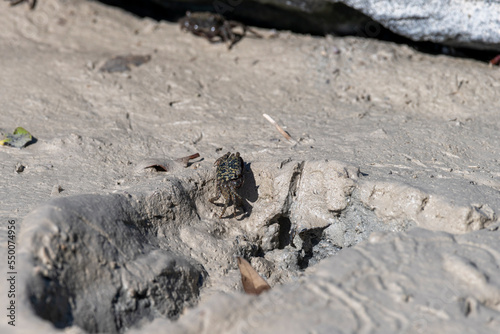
422,129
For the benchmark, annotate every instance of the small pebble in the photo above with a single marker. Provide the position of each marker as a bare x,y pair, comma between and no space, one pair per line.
20,168
56,190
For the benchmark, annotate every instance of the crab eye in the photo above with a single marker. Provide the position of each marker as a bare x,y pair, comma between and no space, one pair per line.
212,29
196,27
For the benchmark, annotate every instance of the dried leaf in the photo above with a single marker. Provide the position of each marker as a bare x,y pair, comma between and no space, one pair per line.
18,139
158,164
166,165
253,284
185,160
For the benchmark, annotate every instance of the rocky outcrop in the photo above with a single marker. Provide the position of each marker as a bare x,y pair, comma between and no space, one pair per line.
464,24
470,24
90,262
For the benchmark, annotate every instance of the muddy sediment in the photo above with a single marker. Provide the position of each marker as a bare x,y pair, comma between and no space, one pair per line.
381,213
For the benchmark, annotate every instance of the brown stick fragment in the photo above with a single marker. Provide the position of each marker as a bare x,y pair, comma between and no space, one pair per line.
253,284
279,128
185,160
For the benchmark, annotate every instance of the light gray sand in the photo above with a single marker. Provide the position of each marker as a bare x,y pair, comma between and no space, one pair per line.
423,130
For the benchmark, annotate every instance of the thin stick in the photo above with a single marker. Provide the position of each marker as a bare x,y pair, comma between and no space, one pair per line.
185,160
279,128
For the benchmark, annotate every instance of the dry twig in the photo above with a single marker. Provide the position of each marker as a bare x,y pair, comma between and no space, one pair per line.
279,128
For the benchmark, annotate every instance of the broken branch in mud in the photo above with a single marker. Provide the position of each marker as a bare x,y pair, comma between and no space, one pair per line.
279,128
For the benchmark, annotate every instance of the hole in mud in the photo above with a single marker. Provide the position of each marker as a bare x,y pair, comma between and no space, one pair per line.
281,232
284,232
310,238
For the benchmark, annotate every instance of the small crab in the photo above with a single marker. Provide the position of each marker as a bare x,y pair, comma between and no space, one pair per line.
211,26
229,176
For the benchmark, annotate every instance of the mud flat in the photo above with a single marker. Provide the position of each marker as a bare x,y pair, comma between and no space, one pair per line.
381,216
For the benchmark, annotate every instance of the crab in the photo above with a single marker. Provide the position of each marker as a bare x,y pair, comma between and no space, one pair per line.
211,26
229,175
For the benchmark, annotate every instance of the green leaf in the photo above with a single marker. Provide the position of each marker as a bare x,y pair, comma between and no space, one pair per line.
18,139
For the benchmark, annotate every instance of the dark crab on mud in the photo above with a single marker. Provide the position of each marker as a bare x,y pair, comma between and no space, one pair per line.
229,177
214,27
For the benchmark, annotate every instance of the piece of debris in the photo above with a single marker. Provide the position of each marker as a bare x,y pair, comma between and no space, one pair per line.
253,283
56,190
19,168
31,3
495,61
214,27
279,128
19,138
123,63
185,160
166,165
